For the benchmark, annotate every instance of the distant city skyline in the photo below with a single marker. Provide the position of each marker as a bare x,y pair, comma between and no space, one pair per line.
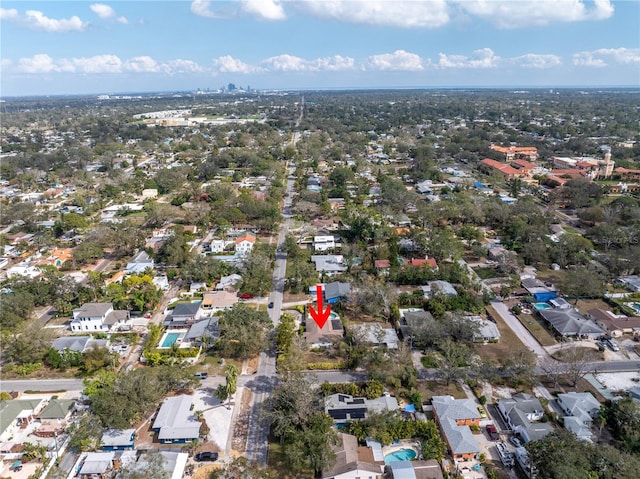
78,47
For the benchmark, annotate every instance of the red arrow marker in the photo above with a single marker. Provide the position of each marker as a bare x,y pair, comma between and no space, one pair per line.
320,317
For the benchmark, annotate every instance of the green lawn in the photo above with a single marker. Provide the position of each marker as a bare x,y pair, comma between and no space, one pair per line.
487,273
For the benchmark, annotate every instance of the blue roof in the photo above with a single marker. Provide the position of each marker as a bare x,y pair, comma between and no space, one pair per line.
409,408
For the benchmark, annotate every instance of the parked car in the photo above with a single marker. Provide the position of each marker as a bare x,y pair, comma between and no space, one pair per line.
201,375
206,456
271,305
515,440
493,432
483,413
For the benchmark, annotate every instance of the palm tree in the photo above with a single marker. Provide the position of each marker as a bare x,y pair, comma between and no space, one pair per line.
231,377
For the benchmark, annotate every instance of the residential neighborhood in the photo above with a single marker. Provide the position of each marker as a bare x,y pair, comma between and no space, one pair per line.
339,285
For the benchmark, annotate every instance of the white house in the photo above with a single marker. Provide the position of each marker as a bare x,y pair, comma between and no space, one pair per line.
98,317
244,244
24,269
579,410
217,246
323,243
139,263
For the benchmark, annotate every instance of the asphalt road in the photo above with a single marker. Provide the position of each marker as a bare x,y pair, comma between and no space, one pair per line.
41,385
523,333
263,382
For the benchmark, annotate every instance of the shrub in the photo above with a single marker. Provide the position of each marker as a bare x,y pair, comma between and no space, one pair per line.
325,366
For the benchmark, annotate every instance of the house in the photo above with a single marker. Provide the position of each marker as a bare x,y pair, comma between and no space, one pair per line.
55,417
414,470
580,409
488,331
632,283
560,303
570,323
521,413
98,317
423,263
78,344
197,287
228,282
218,301
139,263
118,440
183,315
505,170
454,416
336,292
16,414
382,266
329,264
344,407
540,291
58,257
615,324
203,331
244,244
353,461
25,268
217,246
323,243
97,465
330,332
375,335
175,422
413,320
435,288
161,282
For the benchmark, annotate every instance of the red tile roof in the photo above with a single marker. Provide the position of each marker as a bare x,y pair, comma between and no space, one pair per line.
501,167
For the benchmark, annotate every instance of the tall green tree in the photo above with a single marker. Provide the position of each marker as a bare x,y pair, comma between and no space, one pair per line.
243,331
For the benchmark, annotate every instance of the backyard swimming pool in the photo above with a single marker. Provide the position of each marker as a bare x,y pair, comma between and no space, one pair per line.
540,306
169,339
334,315
400,455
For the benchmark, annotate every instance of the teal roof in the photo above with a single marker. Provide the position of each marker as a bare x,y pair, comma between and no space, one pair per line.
57,409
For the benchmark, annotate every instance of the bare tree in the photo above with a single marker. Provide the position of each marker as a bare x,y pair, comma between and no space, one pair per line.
577,362
552,369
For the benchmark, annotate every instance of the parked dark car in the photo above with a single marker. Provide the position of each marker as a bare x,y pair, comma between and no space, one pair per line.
271,305
206,456
493,432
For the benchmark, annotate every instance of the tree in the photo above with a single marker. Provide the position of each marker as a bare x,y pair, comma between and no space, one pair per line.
519,367
582,282
29,345
86,433
231,378
243,331
623,416
257,274
577,362
561,455
453,359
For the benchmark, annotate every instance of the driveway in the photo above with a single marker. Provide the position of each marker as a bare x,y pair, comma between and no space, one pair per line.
516,326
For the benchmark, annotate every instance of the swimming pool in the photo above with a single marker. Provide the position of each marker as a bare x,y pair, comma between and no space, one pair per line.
169,339
400,455
540,306
334,315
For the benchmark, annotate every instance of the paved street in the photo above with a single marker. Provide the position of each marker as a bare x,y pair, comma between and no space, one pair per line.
523,333
41,385
263,382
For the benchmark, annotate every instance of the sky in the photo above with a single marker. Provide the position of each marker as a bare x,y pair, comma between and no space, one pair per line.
79,47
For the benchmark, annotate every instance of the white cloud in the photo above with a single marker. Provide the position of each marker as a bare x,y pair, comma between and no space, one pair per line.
95,64
510,14
43,63
483,58
142,64
40,63
8,14
265,9
538,61
181,66
604,56
396,61
5,63
202,8
403,14
36,20
102,10
290,63
286,63
106,12
228,64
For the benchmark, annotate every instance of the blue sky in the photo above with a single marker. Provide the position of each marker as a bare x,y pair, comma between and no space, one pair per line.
52,47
